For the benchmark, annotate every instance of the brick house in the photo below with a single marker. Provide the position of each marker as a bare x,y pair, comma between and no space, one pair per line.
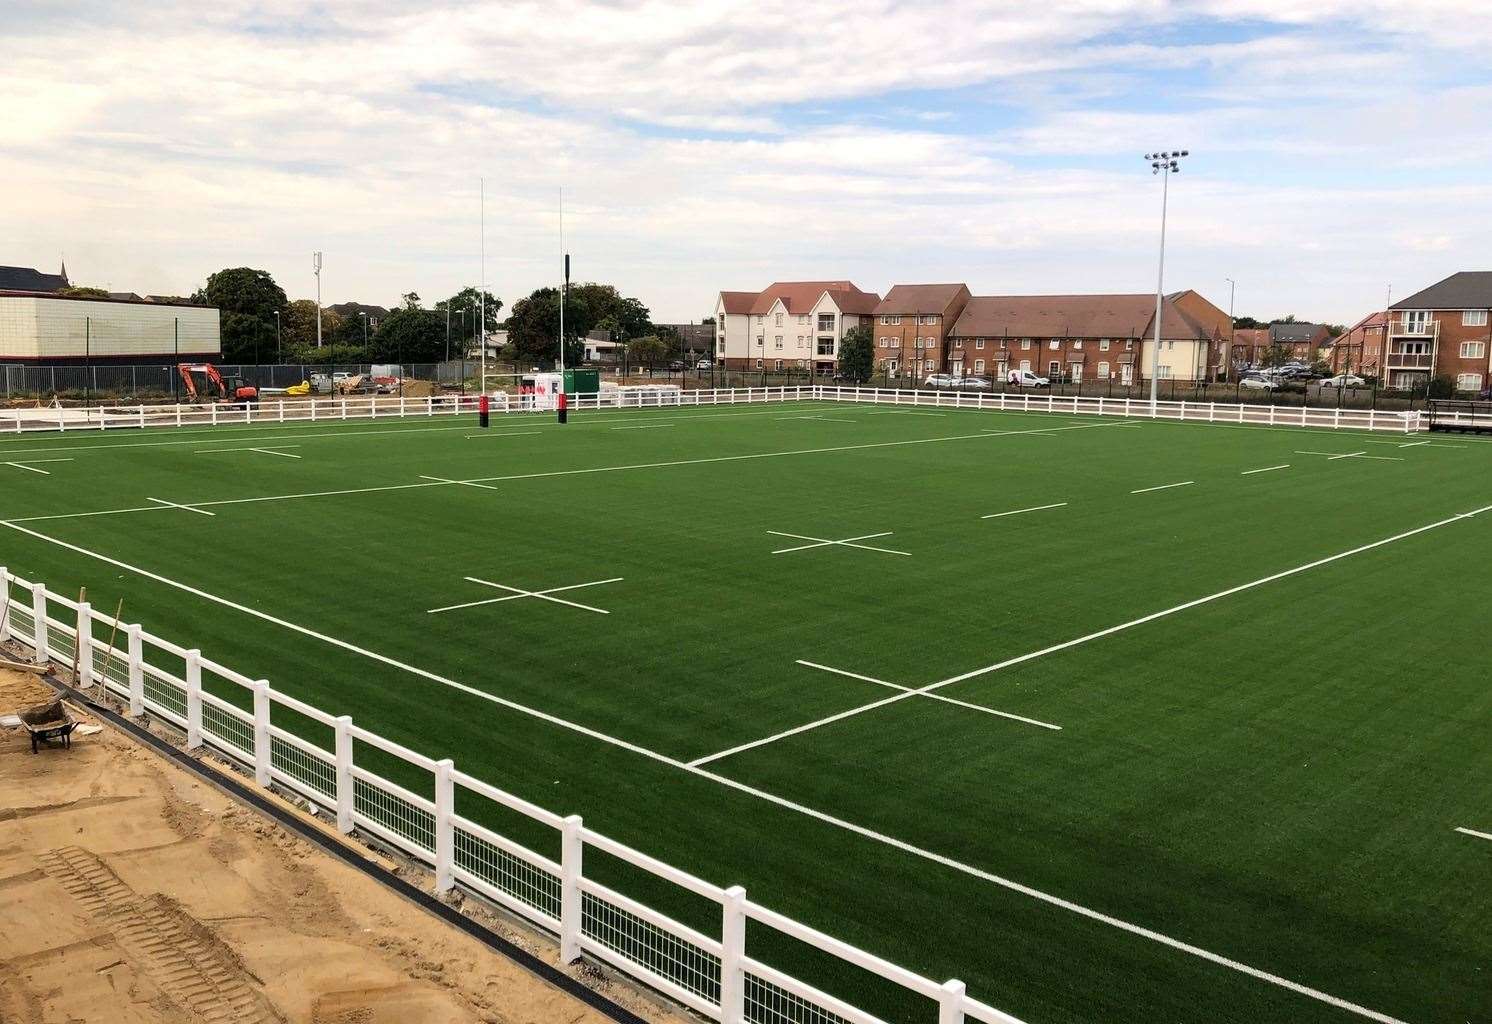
1359,349
1441,331
1304,342
791,325
1079,338
911,326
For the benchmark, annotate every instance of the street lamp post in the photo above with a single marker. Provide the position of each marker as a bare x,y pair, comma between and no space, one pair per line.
1232,330
316,265
365,333
1165,164
277,336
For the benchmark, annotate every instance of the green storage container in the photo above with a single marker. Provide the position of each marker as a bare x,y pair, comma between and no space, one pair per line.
582,382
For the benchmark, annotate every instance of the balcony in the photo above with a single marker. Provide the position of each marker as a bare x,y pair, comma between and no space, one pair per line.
1411,360
1406,328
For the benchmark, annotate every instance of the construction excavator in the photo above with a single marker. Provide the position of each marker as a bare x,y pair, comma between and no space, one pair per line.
205,384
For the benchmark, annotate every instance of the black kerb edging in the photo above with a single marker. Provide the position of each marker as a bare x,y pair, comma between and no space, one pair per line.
291,821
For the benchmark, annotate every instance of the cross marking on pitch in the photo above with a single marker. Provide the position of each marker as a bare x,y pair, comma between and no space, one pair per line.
848,542
27,465
543,595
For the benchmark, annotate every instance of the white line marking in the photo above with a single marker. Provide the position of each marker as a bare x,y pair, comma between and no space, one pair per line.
271,451
1476,834
30,468
263,451
171,504
819,542
1018,511
1334,456
644,426
505,433
517,593
594,469
463,483
1099,634
1266,469
1163,487
904,412
760,794
1414,444
934,696
1411,444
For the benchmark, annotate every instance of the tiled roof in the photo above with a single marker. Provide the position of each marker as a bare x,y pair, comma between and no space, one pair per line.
1294,333
1469,289
1073,316
799,296
27,279
915,299
738,302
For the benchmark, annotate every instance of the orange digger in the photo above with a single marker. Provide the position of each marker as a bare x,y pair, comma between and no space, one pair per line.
205,384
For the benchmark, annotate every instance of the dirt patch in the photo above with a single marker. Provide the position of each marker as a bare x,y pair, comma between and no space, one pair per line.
135,893
22,690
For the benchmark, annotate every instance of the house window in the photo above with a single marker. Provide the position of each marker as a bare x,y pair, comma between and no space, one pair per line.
1054,344
931,364
979,366
1103,344
1417,321
779,364
1473,349
928,320
826,321
1026,344
979,344
1103,371
758,364
1054,370
826,346
1129,345
802,318
1077,343
778,342
885,343
802,363
758,320
1469,382
890,319
779,320
1165,373
1025,366
760,341
1474,318
1170,346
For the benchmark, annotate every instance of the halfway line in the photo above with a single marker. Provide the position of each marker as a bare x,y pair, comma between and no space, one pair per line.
1163,487
1018,511
1473,832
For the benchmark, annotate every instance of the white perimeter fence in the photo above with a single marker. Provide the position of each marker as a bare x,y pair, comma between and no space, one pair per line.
712,974
371,407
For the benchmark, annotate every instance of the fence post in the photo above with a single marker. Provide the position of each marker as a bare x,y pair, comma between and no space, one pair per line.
732,951
282,410
344,408
5,631
214,409
261,733
39,617
571,849
137,670
83,640
194,698
445,831
951,1003
344,774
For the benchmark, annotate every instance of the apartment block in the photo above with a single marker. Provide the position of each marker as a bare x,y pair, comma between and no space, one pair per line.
1080,338
911,327
1441,331
790,325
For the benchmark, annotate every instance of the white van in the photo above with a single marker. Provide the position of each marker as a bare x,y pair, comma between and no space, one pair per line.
1026,379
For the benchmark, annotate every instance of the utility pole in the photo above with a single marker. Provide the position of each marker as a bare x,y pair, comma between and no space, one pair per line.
1164,164
481,328
316,264
565,287
1232,288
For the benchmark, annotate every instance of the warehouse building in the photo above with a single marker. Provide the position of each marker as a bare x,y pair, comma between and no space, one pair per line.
45,328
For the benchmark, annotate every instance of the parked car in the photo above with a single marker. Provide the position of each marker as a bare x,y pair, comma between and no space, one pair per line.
1342,380
676,366
1259,382
703,364
940,380
975,383
1026,379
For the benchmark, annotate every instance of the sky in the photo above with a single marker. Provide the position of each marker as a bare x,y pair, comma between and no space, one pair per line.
1338,147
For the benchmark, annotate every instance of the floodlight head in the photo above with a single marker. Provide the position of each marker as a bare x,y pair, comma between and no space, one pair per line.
1186,152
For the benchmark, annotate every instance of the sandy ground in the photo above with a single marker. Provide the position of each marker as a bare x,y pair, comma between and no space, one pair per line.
133,893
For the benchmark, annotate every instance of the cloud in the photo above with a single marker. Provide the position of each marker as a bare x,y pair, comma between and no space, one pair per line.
722,145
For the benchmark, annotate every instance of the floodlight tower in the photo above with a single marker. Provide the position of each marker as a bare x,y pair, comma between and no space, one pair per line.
316,267
1165,164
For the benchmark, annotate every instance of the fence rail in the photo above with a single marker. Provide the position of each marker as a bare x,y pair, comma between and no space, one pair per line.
712,975
373,407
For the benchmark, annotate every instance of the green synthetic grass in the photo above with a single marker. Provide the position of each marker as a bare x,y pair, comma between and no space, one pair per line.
1273,777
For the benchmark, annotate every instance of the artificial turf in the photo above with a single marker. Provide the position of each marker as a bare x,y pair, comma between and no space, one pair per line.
1273,777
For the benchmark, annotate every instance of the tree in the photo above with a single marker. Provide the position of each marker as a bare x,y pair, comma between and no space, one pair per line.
626,318
1247,323
298,324
410,335
533,326
467,299
247,301
410,300
857,354
1277,354
83,292
649,350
